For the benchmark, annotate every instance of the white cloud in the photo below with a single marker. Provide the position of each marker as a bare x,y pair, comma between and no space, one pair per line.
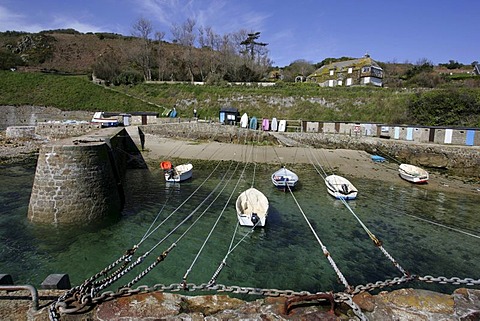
12,21
222,15
65,22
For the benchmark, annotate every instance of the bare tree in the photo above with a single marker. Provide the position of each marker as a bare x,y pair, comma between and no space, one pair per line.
143,29
184,34
161,54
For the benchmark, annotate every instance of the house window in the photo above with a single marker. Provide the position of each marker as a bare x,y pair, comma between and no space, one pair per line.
331,83
366,69
350,70
331,72
349,81
377,72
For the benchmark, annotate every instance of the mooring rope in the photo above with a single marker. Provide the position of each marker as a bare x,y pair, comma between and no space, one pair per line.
179,206
324,248
174,244
372,236
381,200
211,230
231,246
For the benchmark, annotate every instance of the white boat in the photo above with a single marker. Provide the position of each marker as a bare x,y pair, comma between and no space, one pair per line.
413,174
99,118
340,187
178,173
252,208
283,178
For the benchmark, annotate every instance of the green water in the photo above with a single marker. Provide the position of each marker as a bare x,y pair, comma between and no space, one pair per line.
283,255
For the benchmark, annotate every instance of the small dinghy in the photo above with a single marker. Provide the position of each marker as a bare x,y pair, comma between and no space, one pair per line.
252,208
284,178
413,174
378,158
340,187
178,173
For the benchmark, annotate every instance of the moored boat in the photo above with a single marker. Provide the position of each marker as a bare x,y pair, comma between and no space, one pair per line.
104,121
378,158
252,208
413,174
284,178
178,173
340,187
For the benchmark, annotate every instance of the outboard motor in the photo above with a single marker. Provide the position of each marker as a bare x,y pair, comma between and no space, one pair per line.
255,219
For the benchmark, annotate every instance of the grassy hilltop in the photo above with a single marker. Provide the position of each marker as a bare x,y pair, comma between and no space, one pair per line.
459,107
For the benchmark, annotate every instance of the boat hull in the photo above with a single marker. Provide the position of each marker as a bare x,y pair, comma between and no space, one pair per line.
284,179
252,208
413,174
179,173
340,188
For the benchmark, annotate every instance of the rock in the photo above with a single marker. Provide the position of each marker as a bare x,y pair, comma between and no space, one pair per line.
412,304
145,306
365,301
467,304
403,305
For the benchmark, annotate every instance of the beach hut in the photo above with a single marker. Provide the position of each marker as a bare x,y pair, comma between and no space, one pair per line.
228,115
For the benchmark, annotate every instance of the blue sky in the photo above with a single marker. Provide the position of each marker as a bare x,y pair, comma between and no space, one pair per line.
388,30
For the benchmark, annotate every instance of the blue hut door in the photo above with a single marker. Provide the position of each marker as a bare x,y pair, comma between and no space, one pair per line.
470,138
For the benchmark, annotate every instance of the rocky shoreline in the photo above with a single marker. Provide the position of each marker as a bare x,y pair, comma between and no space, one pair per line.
404,304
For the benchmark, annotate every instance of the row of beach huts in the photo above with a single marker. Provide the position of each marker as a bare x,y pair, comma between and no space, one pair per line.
420,134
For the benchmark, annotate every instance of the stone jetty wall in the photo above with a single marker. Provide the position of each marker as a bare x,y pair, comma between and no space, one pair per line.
81,180
208,131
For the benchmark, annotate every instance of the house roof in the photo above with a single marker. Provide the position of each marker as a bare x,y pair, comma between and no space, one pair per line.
340,65
229,110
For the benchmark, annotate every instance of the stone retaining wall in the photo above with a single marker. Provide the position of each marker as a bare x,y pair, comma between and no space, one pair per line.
64,130
208,131
31,115
458,160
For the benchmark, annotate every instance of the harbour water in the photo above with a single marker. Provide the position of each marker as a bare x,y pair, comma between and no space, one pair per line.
427,232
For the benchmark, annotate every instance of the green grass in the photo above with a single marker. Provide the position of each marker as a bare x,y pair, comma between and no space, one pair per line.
63,92
285,100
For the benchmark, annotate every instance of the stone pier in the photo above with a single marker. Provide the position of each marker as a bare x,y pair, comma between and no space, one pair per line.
80,180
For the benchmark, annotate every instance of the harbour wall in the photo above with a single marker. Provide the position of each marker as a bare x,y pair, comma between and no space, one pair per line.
458,160
80,180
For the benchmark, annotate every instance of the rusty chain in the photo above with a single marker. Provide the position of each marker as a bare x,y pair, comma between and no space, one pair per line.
76,301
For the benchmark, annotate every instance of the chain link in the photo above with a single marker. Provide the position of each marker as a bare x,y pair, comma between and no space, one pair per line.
76,299
452,280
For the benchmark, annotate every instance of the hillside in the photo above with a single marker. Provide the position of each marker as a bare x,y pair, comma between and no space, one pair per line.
63,52
69,51
459,107
420,94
